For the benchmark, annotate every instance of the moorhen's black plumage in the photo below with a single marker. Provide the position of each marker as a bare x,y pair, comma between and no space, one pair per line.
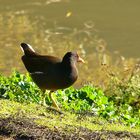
50,72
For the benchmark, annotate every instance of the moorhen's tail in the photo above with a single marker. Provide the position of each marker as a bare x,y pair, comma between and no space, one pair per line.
27,49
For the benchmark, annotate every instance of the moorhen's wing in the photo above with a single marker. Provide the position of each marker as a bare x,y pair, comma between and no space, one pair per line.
40,63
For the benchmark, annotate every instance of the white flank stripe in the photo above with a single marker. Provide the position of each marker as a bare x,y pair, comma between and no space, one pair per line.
37,72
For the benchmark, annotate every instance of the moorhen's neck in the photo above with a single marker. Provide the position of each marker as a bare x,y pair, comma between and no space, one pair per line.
70,69
69,65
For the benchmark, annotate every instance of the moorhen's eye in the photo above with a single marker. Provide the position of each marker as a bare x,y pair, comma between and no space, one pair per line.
75,55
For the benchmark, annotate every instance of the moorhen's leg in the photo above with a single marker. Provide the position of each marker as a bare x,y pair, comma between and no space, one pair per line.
54,104
44,98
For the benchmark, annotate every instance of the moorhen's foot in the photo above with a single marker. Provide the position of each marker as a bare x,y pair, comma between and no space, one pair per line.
44,104
54,109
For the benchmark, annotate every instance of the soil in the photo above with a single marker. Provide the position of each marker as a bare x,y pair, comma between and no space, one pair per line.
25,129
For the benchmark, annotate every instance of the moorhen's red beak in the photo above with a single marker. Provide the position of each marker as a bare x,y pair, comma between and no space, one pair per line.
80,59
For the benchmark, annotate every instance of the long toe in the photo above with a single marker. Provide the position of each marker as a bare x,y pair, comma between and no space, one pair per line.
54,109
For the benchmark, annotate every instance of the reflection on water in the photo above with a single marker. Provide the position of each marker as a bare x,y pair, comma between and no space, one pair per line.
59,33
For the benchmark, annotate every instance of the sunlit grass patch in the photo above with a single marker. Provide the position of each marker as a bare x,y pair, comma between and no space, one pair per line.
120,105
41,116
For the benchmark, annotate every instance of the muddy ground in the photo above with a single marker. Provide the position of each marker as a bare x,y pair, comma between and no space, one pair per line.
26,129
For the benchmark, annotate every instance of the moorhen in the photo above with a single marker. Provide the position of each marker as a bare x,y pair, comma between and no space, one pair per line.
49,72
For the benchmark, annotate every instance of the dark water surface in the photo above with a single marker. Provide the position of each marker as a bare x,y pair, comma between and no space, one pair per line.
92,27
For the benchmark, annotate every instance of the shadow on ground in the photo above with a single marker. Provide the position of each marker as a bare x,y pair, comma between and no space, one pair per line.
26,129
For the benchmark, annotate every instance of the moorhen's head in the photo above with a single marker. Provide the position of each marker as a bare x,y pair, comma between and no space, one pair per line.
72,57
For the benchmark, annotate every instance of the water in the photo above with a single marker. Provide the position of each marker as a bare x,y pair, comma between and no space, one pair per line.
94,28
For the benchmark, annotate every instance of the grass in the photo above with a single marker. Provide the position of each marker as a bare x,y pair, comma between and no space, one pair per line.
119,103
89,111
68,123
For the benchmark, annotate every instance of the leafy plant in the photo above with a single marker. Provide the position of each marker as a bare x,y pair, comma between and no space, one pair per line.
20,88
120,102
